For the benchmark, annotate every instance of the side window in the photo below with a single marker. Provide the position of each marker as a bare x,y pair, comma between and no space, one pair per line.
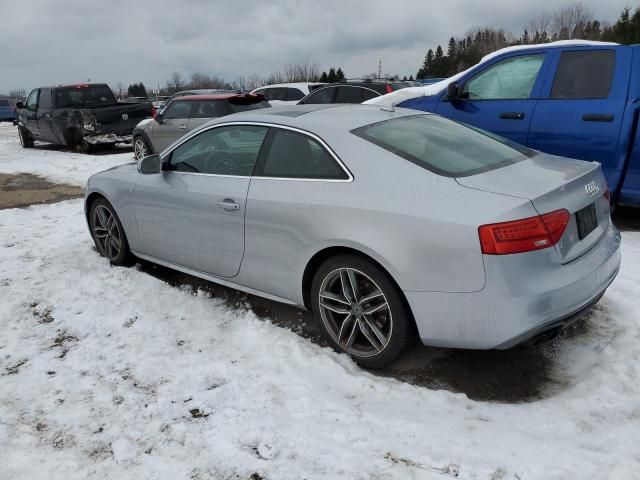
32,100
177,109
349,95
584,74
324,95
295,155
294,94
229,150
512,78
278,93
368,94
208,109
45,99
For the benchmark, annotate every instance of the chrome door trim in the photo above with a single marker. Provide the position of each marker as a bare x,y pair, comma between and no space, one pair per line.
188,137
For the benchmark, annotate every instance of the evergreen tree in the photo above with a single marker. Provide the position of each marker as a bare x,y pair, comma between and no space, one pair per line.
332,75
339,75
323,77
411,78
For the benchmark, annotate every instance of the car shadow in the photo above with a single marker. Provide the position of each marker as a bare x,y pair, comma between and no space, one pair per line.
520,374
98,149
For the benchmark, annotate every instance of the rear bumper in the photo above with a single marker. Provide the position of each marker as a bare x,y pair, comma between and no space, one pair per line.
107,138
521,298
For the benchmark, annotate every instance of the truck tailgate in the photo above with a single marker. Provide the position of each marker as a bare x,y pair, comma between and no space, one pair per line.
119,119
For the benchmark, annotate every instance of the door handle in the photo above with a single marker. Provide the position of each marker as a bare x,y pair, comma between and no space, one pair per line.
598,117
228,205
183,127
512,115
47,115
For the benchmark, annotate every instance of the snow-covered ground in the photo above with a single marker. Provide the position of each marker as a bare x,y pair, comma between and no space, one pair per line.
110,373
53,162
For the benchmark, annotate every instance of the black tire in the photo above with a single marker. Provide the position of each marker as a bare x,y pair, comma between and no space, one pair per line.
394,322
26,140
141,147
86,147
124,257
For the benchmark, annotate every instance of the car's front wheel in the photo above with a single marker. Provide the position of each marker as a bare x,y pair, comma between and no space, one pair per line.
26,140
140,148
362,310
108,234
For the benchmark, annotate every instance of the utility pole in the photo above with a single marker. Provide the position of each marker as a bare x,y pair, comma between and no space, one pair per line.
379,68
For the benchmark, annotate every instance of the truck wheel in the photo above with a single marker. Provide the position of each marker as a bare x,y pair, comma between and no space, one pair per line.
26,140
86,147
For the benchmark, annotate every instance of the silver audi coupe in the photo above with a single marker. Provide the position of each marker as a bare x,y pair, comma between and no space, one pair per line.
390,225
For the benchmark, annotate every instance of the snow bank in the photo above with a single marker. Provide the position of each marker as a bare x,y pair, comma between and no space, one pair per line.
404,94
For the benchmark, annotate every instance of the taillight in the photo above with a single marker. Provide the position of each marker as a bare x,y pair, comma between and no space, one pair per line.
607,194
526,235
154,112
389,88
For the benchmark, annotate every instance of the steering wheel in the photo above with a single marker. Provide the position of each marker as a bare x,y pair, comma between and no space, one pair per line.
221,163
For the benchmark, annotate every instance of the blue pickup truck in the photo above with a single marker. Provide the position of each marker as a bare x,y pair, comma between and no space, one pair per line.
573,99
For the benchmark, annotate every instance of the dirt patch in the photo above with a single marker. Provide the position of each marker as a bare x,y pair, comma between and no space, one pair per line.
24,189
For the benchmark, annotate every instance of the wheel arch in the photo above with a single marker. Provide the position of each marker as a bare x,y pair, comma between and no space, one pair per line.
319,257
138,132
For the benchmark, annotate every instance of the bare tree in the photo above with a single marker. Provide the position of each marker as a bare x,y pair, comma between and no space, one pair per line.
301,72
176,81
571,21
538,26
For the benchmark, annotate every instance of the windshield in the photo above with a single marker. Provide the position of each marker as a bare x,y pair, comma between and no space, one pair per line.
237,105
443,146
84,96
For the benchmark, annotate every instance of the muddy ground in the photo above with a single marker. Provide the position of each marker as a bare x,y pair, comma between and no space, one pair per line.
521,374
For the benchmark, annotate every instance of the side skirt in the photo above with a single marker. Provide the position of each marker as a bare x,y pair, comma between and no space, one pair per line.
211,278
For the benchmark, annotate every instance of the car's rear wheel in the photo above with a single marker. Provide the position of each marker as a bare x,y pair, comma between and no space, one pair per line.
362,310
108,234
140,148
26,140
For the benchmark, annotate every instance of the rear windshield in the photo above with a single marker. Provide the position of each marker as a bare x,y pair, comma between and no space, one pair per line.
81,96
237,105
4,103
443,146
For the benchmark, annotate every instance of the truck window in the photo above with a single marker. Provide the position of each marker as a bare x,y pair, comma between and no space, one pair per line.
45,99
32,100
512,78
82,96
584,74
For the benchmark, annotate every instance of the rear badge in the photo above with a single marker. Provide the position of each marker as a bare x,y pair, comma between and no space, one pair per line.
592,189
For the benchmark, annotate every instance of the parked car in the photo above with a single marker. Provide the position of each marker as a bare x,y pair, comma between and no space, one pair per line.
7,111
287,93
199,91
574,98
81,115
352,91
363,215
183,114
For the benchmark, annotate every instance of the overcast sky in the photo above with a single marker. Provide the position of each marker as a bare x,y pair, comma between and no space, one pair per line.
49,42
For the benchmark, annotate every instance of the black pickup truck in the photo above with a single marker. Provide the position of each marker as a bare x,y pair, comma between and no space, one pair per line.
80,116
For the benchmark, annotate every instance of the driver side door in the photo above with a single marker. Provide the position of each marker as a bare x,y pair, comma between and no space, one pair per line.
172,126
192,213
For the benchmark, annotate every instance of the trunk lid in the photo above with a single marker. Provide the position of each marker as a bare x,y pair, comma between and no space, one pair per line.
552,183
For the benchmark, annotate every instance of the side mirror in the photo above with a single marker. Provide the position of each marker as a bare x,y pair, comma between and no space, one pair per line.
453,91
149,165
19,105
159,117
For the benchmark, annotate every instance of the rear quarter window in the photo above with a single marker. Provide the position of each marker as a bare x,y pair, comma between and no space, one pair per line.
584,74
443,146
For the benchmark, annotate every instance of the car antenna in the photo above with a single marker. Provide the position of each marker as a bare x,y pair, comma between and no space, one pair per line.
390,108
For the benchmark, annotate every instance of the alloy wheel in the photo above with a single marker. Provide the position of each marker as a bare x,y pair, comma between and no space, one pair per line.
355,312
106,232
140,149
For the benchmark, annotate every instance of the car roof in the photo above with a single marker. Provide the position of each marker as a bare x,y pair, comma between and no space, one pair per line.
320,118
219,96
294,84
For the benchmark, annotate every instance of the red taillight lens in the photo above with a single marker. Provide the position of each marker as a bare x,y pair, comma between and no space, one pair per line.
526,235
154,112
389,88
607,194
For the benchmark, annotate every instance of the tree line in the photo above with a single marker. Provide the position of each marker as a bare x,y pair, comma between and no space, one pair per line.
574,21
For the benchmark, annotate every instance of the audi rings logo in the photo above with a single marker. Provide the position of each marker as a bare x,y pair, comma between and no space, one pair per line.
592,189
125,116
